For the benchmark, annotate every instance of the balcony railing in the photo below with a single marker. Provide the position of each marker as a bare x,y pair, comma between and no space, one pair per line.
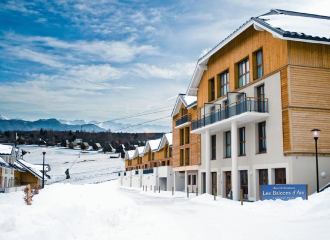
184,119
259,105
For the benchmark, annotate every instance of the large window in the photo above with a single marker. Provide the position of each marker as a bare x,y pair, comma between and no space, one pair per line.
261,100
260,68
242,141
181,157
187,156
243,73
181,136
224,83
187,135
214,147
228,144
262,137
211,90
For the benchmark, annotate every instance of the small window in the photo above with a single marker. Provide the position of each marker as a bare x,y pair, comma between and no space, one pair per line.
214,147
187,136
211,90
228,144
153,156
243,73
193,179
171,152
260,68
224,83
242,141
189,179
262,137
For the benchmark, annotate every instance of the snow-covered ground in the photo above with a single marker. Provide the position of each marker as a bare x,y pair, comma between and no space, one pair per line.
90,167
105,211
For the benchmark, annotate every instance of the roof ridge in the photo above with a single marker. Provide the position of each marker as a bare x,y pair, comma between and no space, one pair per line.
302,14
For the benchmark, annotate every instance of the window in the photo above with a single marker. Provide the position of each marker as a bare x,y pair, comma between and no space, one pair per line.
263,177
166,151
262,137
211,90
243,73
181,157
224,83
181,136
183,112
260,69
280,176
189,179
214,147
187,156
193,179
153,156
171,152
187,136
149,155
242,141
261,100
228,144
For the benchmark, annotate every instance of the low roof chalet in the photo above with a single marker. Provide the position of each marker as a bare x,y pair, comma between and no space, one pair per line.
97,145
282,24
85,144
29,167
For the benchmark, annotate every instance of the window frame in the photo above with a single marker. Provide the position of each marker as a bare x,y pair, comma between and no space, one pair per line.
182,157
242,142
261,65
223,83
228,137
187,156
213,147
187,135
212,89
181,136
262,137
246,63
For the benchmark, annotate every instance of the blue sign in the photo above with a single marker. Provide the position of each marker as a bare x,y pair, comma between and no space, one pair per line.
283,191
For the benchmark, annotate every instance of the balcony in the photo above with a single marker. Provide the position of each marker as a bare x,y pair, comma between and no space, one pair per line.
183,120
245,110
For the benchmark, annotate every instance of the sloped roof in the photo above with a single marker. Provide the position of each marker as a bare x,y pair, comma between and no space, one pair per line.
139,152
4,164
129,154
5,149
85,144
98,145
29,167
282,24
188,101
152,145
167,138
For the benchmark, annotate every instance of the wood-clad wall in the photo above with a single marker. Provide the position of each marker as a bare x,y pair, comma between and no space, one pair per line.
243,46
194,145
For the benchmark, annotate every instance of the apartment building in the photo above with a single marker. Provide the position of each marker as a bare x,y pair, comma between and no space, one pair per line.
186,147
149,166
7,160
259,93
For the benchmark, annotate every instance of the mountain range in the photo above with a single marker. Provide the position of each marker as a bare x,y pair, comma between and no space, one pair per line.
7,124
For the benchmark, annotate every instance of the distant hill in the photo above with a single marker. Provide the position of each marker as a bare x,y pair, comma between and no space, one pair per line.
7,124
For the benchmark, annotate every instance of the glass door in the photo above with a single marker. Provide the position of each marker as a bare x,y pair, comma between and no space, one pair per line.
228,184
244,183
263,177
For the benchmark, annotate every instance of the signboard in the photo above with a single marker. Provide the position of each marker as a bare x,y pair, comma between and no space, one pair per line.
283,191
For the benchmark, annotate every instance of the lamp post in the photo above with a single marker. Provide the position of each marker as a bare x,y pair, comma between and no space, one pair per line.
316,133
43,166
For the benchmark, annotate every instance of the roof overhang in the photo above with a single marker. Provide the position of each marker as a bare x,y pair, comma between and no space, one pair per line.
179,101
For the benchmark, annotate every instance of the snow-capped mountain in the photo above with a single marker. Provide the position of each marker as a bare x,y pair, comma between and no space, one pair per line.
80,125
4,117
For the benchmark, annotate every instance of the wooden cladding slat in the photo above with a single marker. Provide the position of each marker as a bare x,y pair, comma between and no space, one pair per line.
286,131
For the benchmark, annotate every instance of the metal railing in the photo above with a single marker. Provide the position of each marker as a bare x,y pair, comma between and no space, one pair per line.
148,171
184,119
244,105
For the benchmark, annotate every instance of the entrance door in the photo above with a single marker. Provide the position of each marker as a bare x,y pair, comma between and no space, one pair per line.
244,183
263,177
228,184
204,182
214,183
280,176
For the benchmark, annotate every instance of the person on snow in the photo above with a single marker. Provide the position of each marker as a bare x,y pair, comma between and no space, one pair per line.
67,174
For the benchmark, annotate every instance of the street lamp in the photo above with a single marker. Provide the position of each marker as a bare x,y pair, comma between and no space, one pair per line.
316,133
43,166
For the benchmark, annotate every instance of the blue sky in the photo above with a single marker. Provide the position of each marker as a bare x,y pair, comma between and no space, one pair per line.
100,60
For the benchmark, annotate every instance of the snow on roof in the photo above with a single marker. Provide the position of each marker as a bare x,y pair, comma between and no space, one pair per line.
188,101
166,138
153,145
4,164
305,25
129,154
5,149
98,145
29,167
286,25
140,150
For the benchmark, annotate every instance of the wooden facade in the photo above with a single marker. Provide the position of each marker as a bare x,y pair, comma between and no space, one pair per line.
181,143
305,77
